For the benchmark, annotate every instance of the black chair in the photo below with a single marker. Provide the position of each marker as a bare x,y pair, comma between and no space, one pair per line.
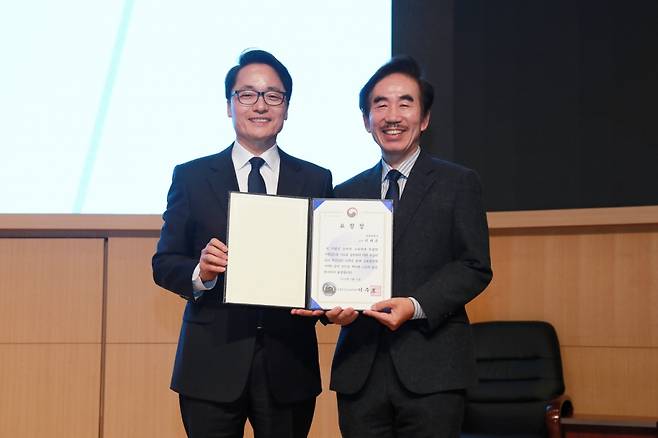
520,385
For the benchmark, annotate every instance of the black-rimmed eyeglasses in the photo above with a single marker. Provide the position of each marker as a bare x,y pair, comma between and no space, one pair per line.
250,97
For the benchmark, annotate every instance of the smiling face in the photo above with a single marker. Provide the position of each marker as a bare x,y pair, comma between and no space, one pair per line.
396,118
256,126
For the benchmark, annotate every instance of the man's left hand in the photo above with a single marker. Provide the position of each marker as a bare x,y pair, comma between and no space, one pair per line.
392,313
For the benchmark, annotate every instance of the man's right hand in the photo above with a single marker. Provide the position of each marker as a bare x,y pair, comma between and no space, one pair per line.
213,261
341,316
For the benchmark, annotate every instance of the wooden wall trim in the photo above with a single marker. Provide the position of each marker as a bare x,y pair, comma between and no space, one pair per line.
573,217
80,225
132,222
147,225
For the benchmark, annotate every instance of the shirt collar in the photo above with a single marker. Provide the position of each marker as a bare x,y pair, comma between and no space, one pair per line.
404,168
241,156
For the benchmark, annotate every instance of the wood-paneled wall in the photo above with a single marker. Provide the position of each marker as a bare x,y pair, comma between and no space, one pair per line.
51,293
87,340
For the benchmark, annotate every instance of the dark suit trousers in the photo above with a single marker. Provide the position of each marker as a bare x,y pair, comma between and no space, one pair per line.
269,419
385,409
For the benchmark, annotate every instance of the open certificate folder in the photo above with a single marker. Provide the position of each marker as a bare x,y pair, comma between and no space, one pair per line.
308,253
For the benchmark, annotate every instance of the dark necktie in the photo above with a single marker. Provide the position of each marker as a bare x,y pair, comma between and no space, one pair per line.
255,181
393,191
256,184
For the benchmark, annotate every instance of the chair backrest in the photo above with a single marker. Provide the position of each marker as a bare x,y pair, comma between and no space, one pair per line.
519,371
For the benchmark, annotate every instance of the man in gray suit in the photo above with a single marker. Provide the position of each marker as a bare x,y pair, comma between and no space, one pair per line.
400,369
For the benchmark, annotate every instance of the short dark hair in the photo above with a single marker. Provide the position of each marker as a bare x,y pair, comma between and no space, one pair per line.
258,57
405,65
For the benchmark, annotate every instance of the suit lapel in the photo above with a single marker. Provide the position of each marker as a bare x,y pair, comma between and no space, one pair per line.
373,185
369,185
222,177
291,178
420,181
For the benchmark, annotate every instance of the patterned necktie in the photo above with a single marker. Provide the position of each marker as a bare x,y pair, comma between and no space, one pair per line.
255,181
393,191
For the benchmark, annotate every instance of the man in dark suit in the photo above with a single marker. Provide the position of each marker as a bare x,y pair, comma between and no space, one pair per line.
238,362
400,369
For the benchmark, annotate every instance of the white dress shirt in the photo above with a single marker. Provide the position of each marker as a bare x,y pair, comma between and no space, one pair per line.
269,170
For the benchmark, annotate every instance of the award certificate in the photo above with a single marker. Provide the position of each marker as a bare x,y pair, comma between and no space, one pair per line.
308,253
351,253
